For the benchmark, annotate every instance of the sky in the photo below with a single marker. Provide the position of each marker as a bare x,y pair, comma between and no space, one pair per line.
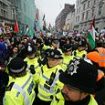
51,8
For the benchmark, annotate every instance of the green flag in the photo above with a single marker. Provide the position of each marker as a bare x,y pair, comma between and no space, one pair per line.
91,34
91,37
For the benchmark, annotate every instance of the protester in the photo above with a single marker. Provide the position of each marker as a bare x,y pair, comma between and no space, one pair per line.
97,56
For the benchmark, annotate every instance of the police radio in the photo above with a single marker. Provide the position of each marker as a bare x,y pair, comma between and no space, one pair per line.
32,69
50,81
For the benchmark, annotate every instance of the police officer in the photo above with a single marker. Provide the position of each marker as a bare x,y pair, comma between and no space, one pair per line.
56,45
31,59
21,84
67,56
48,79
79,82
81,50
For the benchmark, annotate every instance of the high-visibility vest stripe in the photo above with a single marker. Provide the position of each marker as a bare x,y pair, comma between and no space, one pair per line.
19,89
43,96
48,91
25,84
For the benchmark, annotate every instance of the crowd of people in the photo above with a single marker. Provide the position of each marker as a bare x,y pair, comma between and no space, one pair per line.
48,70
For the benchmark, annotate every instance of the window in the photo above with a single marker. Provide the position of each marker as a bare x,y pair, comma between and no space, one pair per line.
3,13
93,10
88,4
87,15
79,9
3,5
94,1
83,15
100,7
84,6
78,18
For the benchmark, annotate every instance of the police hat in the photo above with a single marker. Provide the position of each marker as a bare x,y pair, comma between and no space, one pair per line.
81,74
54,53
17,66
30,49
66,48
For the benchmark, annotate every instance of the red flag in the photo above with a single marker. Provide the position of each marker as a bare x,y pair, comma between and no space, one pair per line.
16,27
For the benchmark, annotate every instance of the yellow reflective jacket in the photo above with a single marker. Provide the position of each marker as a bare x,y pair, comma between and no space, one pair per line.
80,53
22,92
48,82
37,69
66,60
33,61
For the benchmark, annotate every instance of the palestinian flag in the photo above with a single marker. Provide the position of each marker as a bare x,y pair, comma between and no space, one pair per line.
91,35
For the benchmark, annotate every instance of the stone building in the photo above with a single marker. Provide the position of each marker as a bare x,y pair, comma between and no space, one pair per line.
21,10
70,21
6,11
88,10
60,20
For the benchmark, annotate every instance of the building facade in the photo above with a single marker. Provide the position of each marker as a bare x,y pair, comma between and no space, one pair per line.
88,10
70,21
22,11
61,18
77,14
25,13
6,12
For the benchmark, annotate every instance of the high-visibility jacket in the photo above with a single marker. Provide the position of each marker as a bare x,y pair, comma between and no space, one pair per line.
100,75
46,47
59,100
66,60
98,56
22,91
80,54
33,61
36,65
101,52
48,82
